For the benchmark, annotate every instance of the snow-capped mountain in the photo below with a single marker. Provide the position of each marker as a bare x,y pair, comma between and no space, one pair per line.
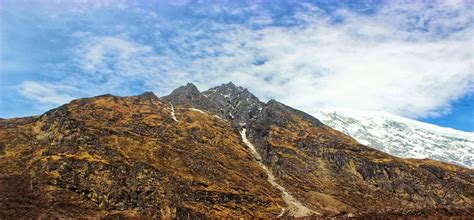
403,137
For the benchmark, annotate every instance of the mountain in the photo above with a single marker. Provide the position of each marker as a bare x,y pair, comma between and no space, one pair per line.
185,156
234,102
111,156
189,96
403,137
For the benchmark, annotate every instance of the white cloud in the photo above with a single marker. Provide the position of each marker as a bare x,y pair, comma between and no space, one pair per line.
382,62
372,69
406,58
45,93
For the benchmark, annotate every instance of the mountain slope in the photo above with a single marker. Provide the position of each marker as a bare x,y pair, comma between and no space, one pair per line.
332,173
403,137
126,156
141,156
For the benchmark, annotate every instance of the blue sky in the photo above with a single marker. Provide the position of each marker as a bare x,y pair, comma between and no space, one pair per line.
413,58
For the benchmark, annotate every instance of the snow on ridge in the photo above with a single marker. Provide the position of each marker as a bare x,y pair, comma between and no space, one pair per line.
197,110
383,116
401,136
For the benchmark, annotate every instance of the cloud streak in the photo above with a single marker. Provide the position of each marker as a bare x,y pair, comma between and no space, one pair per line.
44,93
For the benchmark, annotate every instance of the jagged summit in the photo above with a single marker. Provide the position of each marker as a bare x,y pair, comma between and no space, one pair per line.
226,89
228,101
234,102
149,95
230,84
188,89
189,95
273,102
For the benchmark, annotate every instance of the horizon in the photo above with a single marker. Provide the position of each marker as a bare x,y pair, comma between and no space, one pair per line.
384,56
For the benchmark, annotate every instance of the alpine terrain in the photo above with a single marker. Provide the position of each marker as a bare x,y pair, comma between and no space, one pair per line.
212,154
403,137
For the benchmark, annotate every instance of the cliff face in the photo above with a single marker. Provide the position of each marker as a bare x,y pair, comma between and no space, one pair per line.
141,156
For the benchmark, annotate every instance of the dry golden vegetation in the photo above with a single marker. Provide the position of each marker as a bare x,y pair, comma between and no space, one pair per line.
111,156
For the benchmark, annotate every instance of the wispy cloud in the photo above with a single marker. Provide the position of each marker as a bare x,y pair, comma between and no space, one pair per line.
411,59
46,94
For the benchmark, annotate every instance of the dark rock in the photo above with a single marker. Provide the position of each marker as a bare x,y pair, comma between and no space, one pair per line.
189,96
18,199
149,95
234,102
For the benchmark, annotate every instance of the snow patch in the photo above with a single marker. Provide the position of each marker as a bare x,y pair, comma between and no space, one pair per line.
281,213
216,116
225,95
197,110
173,114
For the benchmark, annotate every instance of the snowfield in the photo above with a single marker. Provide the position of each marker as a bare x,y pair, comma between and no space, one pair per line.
401,136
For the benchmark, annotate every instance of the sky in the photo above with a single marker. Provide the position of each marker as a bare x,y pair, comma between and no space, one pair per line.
409,58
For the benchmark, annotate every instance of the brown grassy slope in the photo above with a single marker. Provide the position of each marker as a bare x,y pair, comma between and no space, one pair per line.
126,156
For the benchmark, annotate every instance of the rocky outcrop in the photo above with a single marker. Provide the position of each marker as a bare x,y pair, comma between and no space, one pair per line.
189,96
234,102
139,156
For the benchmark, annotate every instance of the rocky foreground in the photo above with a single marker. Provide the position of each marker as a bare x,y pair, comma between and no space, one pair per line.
219,153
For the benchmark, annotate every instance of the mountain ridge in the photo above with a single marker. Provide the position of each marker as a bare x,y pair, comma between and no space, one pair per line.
184,156
387,132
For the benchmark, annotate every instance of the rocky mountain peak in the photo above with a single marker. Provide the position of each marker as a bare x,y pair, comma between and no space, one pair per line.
189,96
273,102
226,90
230,84
235,102
149,95
188,89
